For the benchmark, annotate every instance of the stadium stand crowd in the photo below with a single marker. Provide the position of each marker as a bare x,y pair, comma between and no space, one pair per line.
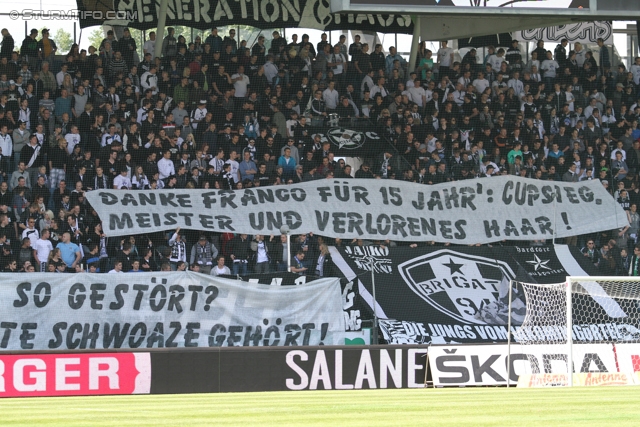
219,114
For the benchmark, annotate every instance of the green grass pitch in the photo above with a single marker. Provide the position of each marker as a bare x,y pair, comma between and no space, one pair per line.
588,406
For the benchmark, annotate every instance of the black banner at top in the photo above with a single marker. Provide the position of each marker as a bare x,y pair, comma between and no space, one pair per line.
206,14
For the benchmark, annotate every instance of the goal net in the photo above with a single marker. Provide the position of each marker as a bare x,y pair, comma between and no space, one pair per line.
588,327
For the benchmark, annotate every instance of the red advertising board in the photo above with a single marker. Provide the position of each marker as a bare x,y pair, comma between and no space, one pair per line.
77,374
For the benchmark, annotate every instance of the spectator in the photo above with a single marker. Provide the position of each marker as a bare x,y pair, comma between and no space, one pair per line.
31,232
324,266
220,268
297,265
46,47
261,256
247,167
117,267
239,253
178,249
591,252
70,253
203,253
124,257
41,250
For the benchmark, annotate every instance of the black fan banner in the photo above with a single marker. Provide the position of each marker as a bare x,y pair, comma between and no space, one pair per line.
264,14
459,294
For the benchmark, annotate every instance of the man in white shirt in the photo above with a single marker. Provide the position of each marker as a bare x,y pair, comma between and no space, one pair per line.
404,92
445,59
516,83
240,82
600,98
150,45
458,94
465,79
409,83
39,134
430,142
117,267
593,105
41,249
367,83
550,68
220,268
61,74
535,74
338,64
6,146
496,60
72,138
581,53
31,232
217,162
480,83
331,97
199,114
619,147
166,168
635,70
418,94
122,180
379,89
235,166
270,70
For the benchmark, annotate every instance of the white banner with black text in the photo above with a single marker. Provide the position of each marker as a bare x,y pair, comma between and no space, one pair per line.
111,311
463,212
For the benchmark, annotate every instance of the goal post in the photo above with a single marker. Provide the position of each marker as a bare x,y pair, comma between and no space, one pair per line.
578,330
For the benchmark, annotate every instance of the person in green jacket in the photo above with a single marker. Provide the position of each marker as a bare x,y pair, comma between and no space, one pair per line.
181,92
516,151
